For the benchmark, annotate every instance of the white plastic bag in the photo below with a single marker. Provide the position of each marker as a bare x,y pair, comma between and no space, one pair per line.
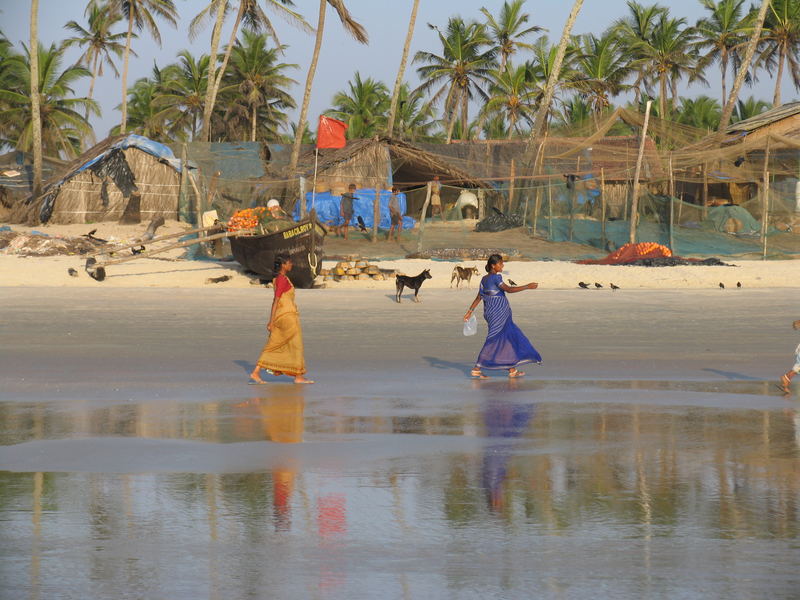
471,326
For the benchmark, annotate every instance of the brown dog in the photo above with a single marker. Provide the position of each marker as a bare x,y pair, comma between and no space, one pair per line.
463,274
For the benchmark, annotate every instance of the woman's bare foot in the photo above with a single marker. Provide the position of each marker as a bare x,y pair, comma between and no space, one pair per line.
301,379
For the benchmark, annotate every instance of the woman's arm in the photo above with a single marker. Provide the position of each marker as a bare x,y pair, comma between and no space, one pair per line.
510,289
472,307
272,313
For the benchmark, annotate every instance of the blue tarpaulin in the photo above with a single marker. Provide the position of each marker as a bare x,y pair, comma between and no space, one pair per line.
327,206
134,141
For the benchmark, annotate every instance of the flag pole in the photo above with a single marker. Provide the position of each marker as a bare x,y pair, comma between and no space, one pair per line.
314,189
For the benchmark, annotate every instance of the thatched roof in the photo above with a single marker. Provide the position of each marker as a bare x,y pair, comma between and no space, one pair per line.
420,161
770,117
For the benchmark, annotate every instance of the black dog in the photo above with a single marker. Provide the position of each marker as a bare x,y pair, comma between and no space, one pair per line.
413,283
463,274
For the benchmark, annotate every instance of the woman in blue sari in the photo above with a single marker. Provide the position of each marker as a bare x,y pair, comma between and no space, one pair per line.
506,347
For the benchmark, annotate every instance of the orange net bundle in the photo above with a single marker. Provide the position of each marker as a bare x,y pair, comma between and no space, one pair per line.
248,218
630,253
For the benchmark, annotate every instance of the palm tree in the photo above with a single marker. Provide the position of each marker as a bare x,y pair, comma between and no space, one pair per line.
141,14
101,44
635,29
668,55
552,81
508,30
750,50
254,18
415,118
61,125
601,68
512,96
35,104
145,117
573,113
749,108
401,71
183,94
701,112
255,89
464,66
352,27
363,108
721,35
780,40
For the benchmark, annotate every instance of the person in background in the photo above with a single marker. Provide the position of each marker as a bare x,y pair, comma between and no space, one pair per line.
786,378
275,210
436,198
395,214
283,352
346,209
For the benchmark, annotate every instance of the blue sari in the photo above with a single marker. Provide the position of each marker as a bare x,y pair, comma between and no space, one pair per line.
506,346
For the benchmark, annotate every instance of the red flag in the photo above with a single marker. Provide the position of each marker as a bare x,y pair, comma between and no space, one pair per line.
330,133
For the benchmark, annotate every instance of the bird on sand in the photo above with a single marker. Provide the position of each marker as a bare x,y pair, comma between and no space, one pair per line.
583,285
738,284
361,225
512,282
721,285
138,250
614,287
72,272
597,285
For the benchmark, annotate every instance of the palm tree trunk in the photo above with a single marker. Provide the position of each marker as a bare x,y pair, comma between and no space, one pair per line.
208,107
398,82
36,116
253,124
464,115
512,122
453,114
662,94
124,120
745,66
776,98
301,123
550,90
723,67
91,83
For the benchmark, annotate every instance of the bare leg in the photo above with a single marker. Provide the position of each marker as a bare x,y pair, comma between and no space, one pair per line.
301,379
256,375
786,380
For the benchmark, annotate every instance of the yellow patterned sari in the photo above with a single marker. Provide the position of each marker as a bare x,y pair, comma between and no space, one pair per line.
283,352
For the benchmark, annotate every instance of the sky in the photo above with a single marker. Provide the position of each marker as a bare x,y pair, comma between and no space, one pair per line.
386,22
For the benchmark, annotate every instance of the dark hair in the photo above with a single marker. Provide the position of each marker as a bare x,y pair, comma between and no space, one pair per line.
280,260
492,260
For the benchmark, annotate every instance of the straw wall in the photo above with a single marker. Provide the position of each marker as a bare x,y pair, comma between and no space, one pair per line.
80,199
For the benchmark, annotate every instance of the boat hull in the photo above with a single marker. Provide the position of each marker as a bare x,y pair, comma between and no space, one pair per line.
302,243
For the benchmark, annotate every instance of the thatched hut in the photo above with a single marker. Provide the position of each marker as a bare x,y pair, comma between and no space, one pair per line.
16,178
125,178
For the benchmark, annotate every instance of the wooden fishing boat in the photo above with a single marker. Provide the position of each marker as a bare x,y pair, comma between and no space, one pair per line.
301,241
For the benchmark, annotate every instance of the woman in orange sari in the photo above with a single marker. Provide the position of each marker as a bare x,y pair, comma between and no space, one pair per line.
283,352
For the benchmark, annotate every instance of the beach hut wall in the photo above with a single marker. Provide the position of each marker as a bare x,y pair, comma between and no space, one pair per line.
87,198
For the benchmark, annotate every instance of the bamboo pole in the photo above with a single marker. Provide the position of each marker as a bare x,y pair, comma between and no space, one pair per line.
635,198
182,195
572,196
671,207
216,236
422,216
376,212
511,178
765,209
603,208
160,238
550,209
705,190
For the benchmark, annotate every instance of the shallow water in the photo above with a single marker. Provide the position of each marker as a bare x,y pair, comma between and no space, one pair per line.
168,477
510,489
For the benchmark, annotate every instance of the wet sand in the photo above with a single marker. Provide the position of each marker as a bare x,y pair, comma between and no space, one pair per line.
650,456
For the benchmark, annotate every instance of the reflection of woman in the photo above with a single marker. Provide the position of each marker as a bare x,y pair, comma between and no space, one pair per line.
283,352
506,347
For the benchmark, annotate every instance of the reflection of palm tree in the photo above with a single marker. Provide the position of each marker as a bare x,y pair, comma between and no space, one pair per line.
503,420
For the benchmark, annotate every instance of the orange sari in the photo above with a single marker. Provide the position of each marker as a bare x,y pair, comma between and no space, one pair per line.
283,351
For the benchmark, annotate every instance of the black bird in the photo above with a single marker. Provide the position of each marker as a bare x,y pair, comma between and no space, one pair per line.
738,284
738,162
90,236
138,250
361,225
511,282
72,272
614,287
583,285
721,285
597,285
570,181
